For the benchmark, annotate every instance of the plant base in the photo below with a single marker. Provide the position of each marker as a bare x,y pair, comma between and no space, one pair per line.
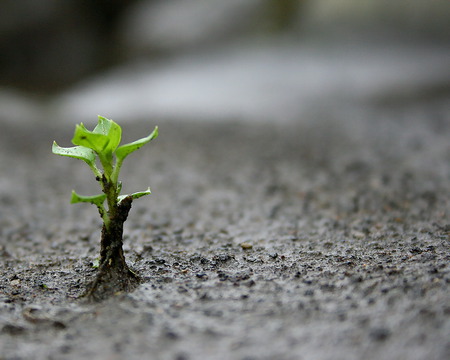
114,276
111,281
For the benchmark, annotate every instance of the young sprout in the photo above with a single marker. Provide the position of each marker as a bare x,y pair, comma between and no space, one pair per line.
103,144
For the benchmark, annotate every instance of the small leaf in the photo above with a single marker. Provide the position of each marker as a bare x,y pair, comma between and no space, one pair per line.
86,138
135,195
103,126
95,199
110,129
77,152
123,151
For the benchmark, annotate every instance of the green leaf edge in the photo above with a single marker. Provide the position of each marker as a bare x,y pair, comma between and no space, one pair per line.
77,152
97,200
123,151
110,129
89,139
135,195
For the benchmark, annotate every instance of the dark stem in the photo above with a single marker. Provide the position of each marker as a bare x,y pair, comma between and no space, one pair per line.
113,274
112,237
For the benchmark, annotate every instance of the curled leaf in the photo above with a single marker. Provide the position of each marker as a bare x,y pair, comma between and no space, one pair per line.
95,199
77,152
110,129
84,137
123,151
135,195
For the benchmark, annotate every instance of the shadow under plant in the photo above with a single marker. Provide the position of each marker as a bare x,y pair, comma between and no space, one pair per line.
324,239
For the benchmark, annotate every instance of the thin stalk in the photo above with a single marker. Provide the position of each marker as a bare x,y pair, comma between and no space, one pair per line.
104,215
116,171
109,187
95,170
106,161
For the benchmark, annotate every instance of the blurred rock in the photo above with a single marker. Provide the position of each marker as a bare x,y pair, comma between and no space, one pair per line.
48,45
154,26
274,82
405,18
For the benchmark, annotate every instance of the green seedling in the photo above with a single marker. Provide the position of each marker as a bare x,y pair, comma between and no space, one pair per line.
101,151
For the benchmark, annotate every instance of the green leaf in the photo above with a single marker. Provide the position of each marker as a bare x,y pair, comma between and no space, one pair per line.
110,129
97,200
103,126
89,139
123,151
135,195
77,152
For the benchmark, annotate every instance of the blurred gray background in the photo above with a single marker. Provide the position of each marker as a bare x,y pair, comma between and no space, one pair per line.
240,60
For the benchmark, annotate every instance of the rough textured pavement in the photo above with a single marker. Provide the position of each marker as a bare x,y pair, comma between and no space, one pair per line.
327,239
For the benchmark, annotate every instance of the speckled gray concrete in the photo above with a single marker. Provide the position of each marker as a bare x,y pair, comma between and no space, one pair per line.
322,240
